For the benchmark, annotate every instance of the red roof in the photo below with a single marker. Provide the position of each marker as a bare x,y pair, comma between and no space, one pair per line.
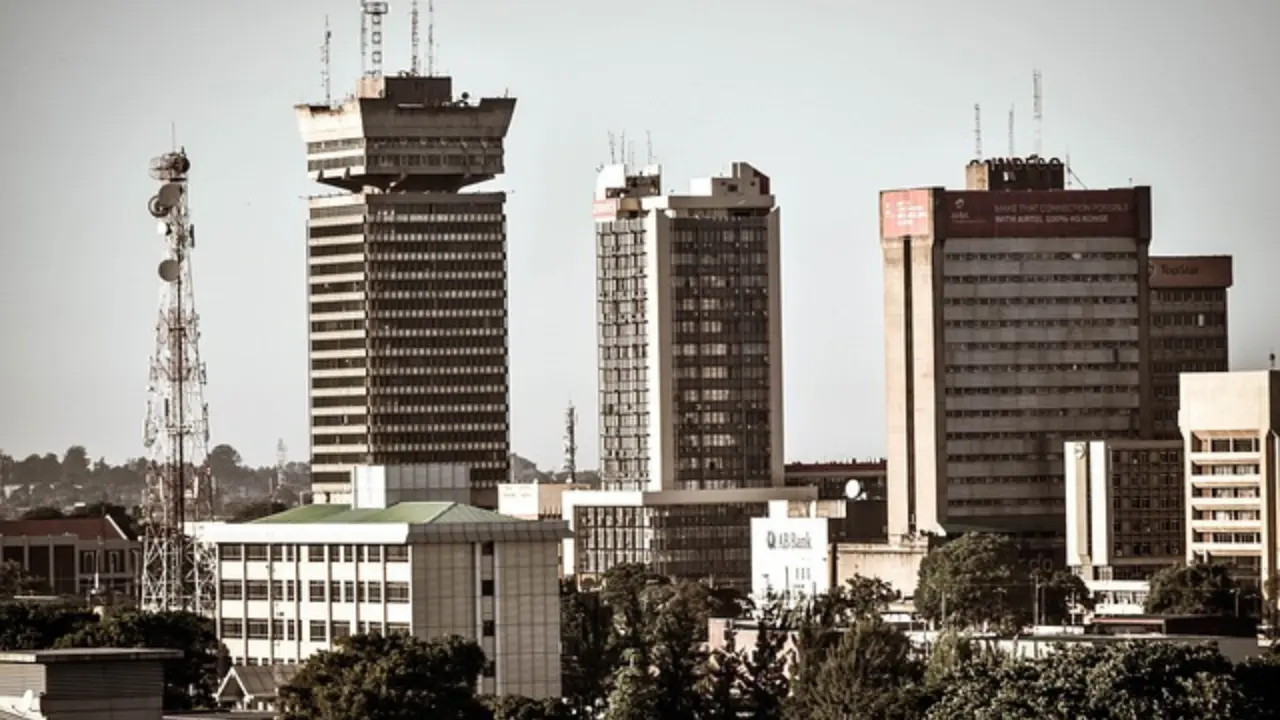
83,528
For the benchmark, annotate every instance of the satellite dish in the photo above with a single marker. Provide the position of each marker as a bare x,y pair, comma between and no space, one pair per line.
168,270
853,489
156,209
162,228
169,195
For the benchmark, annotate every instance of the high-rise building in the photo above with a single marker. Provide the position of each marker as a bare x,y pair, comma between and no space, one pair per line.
690,354
1231,430
407,283
1188,327
1016,318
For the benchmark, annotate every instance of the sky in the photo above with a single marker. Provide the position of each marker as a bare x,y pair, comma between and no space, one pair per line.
834,100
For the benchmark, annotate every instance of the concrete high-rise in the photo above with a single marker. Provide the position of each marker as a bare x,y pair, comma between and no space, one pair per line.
1016,318
690,355
407,283
1188,328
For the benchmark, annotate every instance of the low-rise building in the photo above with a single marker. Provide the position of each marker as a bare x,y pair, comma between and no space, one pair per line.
117,683
292,583
74,556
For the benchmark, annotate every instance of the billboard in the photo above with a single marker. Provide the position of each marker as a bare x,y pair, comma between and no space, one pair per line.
790,557
1205,271
906,212
1045,213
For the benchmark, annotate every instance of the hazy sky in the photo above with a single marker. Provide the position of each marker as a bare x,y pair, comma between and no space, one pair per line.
835,100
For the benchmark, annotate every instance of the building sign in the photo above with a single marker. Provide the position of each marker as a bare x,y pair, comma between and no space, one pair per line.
1045,213
788,540
905,213
790,556
1213,271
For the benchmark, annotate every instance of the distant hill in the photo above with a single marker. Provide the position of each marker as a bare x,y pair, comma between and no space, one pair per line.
524,470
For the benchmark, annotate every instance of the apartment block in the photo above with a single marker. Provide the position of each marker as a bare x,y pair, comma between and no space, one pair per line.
1231,430
1188,327
291,584
1016,318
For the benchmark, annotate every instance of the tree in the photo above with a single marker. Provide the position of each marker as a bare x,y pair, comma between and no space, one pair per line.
1257,678
190,682
723,685
624,588
35,626
588,659
677,652
75,467
1058,593
976,580
1196,589
635,694
43,513
255,510
872,674
518,707
15,580
765,672
388,677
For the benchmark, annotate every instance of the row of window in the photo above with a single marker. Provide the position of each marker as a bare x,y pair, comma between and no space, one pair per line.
314,553
287,629
372,591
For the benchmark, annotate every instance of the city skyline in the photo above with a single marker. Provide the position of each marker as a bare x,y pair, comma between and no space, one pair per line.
236,121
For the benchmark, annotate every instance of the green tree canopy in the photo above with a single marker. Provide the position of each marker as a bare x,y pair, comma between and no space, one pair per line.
588,658
518,707
14,580
635,694
1196,589
391,677
976,580
35,626
873,673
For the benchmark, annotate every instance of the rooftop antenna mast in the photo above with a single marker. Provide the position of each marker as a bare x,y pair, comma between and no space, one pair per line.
613,149
431,38
1037,107
282,460
1012,137
325,64
648,147
414,67
977,131
371,17
571,443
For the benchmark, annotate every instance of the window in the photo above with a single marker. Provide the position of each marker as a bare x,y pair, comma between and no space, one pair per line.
349,591
232,628
397,553
257,589
349,553
486,549
258,629
231,552
397,592
318,631
373,553
88,562
277,553
341,629
335,553
486,588
115,561
255,552
315,591
232,590
315,553
373,591
401,628
335,591
487,628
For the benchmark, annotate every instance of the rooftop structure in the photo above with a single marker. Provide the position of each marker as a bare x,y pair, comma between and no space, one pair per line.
83,683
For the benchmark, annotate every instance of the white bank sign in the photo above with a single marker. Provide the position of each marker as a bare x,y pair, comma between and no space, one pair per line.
790,556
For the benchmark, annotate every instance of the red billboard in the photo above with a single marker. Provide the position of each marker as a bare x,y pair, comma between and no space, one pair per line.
906,212
1046,213
1203,271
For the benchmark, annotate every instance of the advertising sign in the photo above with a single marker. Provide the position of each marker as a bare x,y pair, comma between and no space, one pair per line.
1042,213
905,213
1209,271
790,556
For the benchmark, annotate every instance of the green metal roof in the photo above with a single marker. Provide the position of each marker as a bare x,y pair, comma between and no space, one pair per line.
413,513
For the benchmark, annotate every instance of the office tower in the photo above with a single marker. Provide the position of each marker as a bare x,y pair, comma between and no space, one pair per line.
1231,430
1188,327
407,283
1016,317
690,355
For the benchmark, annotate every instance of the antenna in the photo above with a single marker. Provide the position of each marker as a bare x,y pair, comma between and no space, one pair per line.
648,147
571,443
282,460
325,64
977,131
413,38
1037,107
1012,144
371,19
613,149
623,149
364,40
1273,361
431,38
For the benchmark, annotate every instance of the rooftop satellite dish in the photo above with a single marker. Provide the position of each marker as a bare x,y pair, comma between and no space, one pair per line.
156,209
853,489
168,270
170,194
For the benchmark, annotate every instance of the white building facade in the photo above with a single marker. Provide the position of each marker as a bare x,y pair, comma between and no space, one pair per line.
790,557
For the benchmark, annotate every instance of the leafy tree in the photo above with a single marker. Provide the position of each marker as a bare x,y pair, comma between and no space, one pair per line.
1058,593
75,467
974,581
872,674
950,652
388,677
677,652
190,682
518,707
255,510
1258,683
588,659
635,694
34,626
43,513
15,580
1196,589
765,673
723,685
626,589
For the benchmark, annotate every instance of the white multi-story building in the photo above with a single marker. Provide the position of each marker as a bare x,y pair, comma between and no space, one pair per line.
292,583
1231,427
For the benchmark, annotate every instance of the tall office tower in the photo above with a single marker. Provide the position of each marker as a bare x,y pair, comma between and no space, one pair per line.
1188,327
690,354
1016,317
408,283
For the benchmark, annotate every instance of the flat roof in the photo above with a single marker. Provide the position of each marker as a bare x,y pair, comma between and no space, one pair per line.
411,513
73,655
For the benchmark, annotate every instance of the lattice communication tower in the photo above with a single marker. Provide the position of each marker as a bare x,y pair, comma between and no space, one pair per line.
177,571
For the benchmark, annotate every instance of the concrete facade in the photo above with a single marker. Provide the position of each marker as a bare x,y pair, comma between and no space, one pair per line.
291,584
1231,431
1125,510
84,684
407,284
1016,317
